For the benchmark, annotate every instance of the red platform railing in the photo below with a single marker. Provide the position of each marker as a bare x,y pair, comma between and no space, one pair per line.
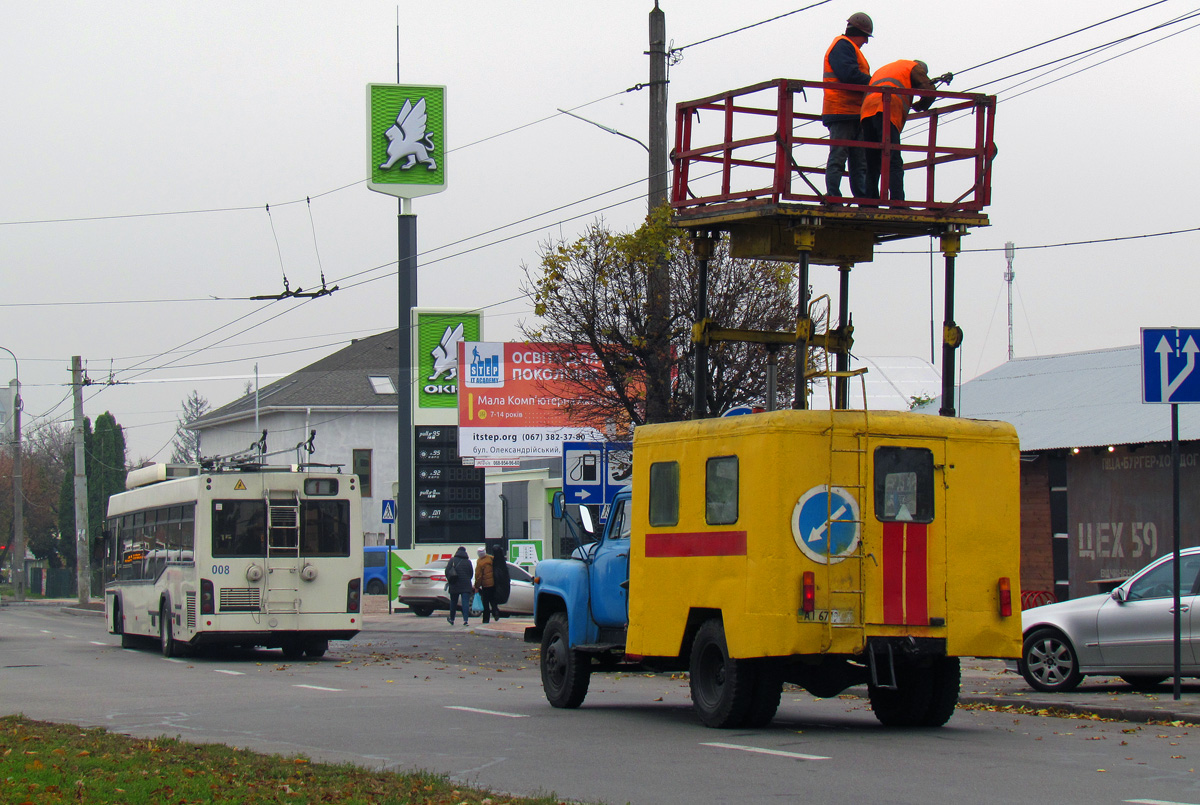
765,144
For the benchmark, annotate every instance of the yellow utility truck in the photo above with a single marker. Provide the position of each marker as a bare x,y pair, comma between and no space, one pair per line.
829,549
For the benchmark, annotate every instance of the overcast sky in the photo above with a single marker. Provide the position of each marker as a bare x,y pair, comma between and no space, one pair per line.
142,143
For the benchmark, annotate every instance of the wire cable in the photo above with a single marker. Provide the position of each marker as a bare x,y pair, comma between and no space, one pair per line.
671,54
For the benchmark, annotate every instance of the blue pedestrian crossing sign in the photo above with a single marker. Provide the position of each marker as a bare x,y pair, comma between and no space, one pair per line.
1169,372
389,511
825,524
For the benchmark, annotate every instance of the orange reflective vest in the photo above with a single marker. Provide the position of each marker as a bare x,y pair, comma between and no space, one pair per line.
896,74
842,101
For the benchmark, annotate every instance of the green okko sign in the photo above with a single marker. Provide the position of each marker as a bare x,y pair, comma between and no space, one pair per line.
406,139
438,334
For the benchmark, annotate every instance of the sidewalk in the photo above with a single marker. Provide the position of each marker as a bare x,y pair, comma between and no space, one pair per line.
986,683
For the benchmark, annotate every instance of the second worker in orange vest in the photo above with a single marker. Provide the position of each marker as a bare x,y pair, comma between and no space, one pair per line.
841,108
908,74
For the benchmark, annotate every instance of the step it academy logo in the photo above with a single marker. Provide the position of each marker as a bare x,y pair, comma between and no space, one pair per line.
486,366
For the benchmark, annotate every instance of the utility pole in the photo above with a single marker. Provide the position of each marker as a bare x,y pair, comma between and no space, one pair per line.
1010,251
18,553
82,572
658,295
659,170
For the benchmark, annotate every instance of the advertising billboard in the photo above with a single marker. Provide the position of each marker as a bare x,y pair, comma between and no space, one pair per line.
514,402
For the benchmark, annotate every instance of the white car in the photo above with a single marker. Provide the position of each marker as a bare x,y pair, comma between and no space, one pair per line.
1129,632
423,589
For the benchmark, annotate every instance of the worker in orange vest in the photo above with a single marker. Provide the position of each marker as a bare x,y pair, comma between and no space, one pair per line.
908,74
841,109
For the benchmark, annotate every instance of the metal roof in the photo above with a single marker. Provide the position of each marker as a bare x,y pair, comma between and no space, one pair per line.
340,380
1079,399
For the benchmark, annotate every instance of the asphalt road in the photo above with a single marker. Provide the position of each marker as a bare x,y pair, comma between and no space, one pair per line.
416,693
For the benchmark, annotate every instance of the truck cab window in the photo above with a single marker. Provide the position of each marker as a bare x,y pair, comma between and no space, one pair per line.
664,493
620,527
721,490
904,484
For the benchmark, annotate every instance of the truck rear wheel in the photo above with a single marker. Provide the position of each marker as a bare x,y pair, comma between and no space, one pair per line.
923,697
722,687
764,698
565,671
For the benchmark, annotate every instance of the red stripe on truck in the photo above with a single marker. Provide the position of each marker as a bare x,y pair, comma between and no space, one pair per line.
905,574
696,543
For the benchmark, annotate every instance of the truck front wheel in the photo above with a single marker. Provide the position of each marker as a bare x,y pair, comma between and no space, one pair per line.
722,687
565,671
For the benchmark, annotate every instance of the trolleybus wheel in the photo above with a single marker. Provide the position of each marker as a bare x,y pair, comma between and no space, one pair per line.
293,650
566,672
166,633
127,640
722,687
316,648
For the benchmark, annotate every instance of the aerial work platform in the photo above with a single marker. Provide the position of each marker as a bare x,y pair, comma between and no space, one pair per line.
750,162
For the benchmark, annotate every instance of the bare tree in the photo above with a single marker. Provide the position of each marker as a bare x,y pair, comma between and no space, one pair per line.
186,447
591,297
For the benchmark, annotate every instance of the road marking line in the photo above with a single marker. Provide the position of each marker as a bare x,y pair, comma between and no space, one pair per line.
486,712
318,687
45,631
231,673
1157,802
172,659
761,751
97,643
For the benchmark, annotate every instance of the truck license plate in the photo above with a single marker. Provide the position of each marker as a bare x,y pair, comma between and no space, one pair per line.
838,616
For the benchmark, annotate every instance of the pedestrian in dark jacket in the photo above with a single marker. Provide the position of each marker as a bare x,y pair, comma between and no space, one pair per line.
485,585
460,584
500,578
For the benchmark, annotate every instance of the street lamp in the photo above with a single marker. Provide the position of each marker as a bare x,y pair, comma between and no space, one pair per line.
18,548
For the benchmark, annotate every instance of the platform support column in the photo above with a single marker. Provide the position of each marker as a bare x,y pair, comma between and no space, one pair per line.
805,239
951,333
702,246
842,382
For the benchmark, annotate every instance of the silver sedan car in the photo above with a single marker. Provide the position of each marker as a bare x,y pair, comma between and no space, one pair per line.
423,589
1129,632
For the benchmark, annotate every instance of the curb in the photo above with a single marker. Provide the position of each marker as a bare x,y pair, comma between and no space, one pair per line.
1116,713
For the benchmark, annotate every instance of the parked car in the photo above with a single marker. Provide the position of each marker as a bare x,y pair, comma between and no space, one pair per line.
1127,633
375,559
423,589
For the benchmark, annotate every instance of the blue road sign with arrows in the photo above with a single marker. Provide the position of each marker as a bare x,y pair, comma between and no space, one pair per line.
1169,371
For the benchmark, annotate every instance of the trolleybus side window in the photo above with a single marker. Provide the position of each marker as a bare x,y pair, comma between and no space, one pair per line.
664,493
904,484
721,491
145,542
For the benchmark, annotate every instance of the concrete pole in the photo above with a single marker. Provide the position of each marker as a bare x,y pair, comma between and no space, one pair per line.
659,173
82,574
18,555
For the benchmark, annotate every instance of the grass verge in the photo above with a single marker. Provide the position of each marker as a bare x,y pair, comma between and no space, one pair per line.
43,764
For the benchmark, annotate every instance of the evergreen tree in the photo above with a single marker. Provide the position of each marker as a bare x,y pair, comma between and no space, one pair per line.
104,466
186,448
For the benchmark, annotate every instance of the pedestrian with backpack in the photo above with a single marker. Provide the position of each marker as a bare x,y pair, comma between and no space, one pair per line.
460,585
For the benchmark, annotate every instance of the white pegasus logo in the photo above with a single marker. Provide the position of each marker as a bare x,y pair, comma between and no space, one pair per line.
445,354
407,138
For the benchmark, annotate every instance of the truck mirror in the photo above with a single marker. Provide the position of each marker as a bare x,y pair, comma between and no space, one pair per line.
585,517
557,504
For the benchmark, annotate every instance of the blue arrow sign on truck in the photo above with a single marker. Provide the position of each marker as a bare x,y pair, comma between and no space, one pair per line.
1169,371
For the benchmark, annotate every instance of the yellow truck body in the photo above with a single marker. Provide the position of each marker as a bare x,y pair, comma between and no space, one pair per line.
880,569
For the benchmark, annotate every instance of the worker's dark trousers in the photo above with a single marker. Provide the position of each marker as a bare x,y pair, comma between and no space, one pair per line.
873,133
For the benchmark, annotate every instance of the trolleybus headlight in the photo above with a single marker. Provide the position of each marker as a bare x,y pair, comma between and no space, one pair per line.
809,594
254,573
208,601
1005,590
308,572
353,595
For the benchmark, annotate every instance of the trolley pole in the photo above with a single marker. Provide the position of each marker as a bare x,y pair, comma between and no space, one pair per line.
703,246
18,543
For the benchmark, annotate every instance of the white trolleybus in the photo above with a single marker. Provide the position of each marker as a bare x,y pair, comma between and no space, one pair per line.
246,555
